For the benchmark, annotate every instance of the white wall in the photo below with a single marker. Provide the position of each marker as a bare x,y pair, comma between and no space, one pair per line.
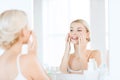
98,25
38,27
114,24
99,29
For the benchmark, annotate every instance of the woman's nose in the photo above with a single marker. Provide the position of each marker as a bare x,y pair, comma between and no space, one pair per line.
74,33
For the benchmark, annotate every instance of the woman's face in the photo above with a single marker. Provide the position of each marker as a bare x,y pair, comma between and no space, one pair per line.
77,30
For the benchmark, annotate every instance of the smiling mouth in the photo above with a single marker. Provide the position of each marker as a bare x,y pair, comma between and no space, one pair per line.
74,38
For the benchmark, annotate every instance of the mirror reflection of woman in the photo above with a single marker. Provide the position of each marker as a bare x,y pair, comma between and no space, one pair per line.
14,33
76,62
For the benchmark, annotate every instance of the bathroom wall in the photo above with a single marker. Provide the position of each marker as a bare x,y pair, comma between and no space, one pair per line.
98,24
38,27
99,28
114,24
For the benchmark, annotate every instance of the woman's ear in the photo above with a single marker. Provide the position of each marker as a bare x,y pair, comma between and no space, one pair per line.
88,36
24,35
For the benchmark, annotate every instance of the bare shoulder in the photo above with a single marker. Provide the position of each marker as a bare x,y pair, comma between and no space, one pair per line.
95,53
28,59
27,62
33,68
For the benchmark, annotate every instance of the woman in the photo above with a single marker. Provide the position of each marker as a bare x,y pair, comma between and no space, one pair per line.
76,62
14,33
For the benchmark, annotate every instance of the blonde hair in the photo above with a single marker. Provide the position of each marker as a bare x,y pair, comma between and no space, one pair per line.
84,23
11,23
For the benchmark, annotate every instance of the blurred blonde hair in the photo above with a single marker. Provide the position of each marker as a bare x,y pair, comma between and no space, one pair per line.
84,23
11,23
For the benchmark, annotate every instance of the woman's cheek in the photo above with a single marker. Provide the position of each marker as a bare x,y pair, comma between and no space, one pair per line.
80,34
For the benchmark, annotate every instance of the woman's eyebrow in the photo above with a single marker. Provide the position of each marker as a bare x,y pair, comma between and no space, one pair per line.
79,28
71,27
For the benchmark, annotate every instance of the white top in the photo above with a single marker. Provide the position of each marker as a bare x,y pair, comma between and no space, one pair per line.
19,76
74,71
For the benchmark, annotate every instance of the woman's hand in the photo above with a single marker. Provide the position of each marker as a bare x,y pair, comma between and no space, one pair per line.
32,44
82,42
68,40
65,59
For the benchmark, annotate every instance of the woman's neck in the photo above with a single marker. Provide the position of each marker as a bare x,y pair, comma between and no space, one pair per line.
16,48
79,50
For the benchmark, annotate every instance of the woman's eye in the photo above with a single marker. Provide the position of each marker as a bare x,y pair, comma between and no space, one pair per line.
79,30
71,30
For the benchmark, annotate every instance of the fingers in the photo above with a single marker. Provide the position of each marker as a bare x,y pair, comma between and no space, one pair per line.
68,37
67,48
82,39
32,44
80,43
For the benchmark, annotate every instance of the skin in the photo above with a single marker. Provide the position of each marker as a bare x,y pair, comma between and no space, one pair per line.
81,55
29,64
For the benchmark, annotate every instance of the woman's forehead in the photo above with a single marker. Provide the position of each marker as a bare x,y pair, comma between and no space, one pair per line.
77,25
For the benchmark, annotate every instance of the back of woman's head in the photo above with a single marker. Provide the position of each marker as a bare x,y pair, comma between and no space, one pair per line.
11,23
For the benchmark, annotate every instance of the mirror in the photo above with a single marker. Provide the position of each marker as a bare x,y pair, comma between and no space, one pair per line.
52,20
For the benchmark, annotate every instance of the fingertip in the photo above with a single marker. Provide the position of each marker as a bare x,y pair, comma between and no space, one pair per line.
69,34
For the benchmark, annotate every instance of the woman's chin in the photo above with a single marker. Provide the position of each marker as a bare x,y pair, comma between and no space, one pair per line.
25,42
74,41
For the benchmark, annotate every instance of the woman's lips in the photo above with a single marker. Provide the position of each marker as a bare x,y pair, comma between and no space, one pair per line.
74,38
